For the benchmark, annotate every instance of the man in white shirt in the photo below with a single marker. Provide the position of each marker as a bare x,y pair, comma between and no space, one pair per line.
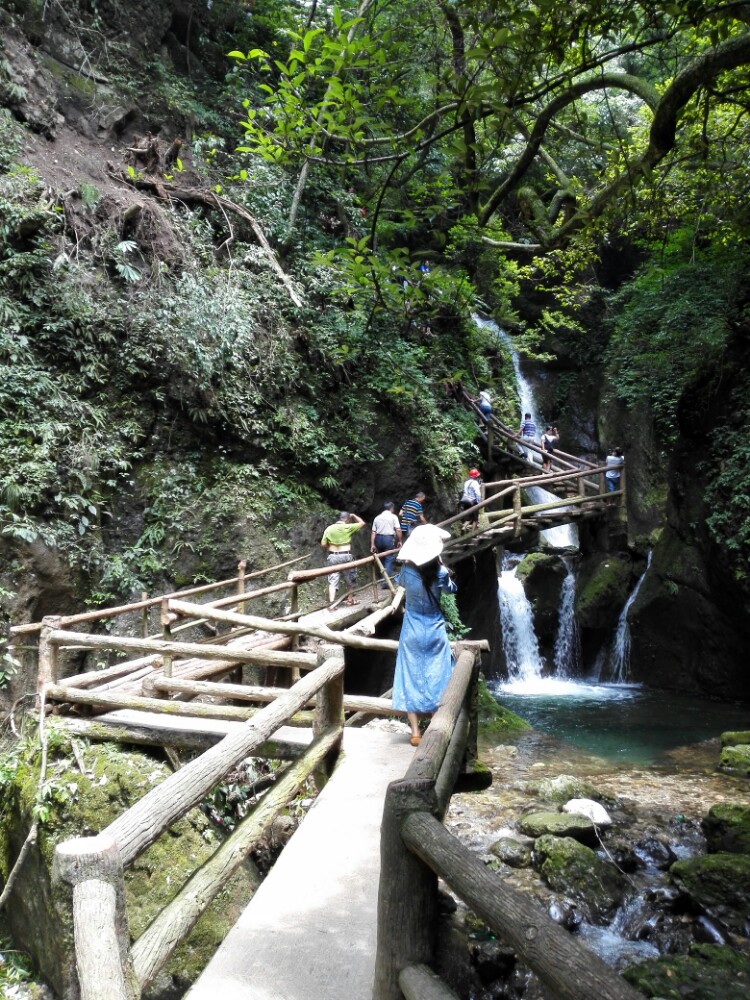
386,535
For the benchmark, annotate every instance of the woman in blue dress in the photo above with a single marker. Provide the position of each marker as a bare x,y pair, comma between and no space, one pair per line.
424,662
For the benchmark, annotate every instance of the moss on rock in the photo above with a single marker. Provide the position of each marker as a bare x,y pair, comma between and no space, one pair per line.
736,760
603,588
718,884
708,972
558,824
495,720
576,871
736,739
563,787
83,804
727,828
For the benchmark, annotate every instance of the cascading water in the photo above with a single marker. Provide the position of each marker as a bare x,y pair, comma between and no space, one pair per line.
564,536
619,659
520,644
567,655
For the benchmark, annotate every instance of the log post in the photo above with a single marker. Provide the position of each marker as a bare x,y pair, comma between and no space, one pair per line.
329,711
490,441
145,615
241,567
517,512
47,665
419,982
166,633
472,704
90,903
294,644
374,579
407,897
383,573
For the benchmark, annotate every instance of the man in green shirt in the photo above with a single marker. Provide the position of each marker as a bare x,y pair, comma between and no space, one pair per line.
337,540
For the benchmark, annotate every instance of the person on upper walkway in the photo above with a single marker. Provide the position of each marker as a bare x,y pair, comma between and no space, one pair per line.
615,461
484,402
337,540
550,439
412,514
527,433
424,661
386,535
471,495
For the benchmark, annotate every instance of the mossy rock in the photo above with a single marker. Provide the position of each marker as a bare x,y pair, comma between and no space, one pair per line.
736,760
542,576
556,824
708,972
512,852
561,788
494,720
727,828
718,884
84,805
576,872
736,739
602,591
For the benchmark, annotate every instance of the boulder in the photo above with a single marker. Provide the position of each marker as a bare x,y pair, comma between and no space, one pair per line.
603,585
735,760
727,829
512,852
587,807
708,972
561,788
735,739
542,577
718,885
579,874
555,824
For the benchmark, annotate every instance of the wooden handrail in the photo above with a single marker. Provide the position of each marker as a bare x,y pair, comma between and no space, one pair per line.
563,963
155,946
140,826
90,616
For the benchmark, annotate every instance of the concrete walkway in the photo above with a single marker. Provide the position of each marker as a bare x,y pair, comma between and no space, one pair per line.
309,933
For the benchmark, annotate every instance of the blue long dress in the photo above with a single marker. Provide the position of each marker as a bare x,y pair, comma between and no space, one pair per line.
424,661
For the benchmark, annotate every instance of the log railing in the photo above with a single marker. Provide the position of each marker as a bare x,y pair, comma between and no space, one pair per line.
416,849
89,871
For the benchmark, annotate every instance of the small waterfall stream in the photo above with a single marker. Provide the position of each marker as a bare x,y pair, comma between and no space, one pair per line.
567,656
619,658
524,664
564,536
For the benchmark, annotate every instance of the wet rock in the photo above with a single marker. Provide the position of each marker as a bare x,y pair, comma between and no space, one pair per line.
655,853
561,788
707,931
512,852
492,961
706,973
667,897
735,739
735,760
539,824
623,855
718,884
603,585
542,577
565,913
587,807
727,829
578,873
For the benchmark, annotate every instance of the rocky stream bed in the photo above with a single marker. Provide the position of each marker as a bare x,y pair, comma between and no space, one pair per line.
663,892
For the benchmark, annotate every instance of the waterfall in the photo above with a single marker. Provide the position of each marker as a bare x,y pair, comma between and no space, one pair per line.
564,536
619,659
520,644
567,642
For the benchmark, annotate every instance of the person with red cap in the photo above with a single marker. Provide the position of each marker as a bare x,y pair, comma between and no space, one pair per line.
471,494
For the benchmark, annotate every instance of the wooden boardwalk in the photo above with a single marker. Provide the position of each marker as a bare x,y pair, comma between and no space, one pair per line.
309,933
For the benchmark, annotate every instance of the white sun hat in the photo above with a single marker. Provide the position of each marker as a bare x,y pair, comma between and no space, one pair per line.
424,544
